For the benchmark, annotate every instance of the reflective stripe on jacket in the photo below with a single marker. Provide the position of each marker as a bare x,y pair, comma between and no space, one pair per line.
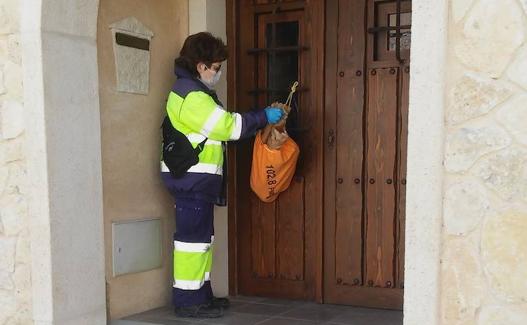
195,111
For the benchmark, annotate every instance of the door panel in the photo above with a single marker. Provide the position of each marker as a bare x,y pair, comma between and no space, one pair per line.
349,147
278,245
358,140
290,230
263,239
365,168
380,167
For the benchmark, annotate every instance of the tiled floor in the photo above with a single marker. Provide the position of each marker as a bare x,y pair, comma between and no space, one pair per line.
264,311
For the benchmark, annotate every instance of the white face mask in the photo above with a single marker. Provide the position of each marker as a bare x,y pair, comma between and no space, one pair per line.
213,81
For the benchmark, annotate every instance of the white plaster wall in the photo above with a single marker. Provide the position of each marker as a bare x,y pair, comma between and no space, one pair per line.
131,135
64,161
210,15
425,157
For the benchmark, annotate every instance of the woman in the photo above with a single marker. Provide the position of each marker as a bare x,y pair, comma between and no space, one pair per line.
194,110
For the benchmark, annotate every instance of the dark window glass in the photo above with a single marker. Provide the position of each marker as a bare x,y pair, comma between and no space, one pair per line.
406,19
282,66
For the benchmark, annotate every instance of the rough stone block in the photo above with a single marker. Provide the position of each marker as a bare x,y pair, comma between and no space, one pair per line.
505,172
7,254
11,150
14,214
4,174
10,13
524,5
22,280
517,71
2,83
465,206
492,32
17,181
8,305
474,95
506,315
6,282
13,81
513,115
14,54
23,248
504,253
12,119
22,316
3,47
460,8
465,145
463,283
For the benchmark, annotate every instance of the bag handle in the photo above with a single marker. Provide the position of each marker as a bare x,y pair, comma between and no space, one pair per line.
267,130
290,97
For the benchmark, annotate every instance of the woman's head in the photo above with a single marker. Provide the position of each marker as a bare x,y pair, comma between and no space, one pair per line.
202,54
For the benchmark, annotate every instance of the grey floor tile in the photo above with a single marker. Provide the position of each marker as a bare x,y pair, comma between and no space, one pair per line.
237,303
365,316
288,321
232,318
282,302
163,316
174,322
314,312
261,309
247,298
129,322
172,319
154,313
267,311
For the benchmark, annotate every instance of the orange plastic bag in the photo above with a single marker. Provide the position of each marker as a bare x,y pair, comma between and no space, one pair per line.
272,170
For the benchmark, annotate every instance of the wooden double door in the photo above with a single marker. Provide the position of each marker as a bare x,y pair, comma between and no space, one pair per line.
337,234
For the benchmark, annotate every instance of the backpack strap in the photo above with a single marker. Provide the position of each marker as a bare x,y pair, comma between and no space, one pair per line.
199,148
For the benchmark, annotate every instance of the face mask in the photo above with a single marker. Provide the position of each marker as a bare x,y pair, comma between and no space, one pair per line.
212,82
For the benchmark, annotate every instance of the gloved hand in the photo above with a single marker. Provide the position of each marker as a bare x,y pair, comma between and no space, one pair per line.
273,114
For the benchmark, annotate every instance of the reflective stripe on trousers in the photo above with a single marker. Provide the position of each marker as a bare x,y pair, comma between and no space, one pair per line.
193,242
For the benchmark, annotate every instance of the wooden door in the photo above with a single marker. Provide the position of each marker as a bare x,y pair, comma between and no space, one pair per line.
367,78
275,248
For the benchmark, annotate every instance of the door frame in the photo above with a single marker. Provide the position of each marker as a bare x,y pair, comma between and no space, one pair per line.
424,161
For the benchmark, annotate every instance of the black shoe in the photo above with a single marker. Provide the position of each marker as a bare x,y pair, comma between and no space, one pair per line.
200,311
220,302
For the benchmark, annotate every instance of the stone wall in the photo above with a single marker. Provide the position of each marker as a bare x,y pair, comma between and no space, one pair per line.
15,263
484,259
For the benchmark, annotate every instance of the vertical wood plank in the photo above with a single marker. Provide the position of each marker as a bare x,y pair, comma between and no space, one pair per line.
263,238
244,208
330,155
380,194
401,178
349,145
290,232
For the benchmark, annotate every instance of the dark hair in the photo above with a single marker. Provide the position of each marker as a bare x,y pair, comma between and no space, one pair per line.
201,47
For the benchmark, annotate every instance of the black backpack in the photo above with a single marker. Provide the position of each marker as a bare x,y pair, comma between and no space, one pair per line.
178,153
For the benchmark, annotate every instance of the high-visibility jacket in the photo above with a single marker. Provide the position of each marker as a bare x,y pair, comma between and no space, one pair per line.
195,111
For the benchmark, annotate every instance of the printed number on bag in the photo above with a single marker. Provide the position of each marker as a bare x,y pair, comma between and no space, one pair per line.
271,180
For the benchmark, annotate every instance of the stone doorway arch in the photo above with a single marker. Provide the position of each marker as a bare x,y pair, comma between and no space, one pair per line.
66,220
64,161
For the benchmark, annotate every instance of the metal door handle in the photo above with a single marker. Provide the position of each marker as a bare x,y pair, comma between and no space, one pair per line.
331,138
